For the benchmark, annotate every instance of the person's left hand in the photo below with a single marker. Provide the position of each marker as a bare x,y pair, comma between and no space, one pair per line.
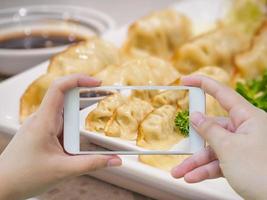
35,160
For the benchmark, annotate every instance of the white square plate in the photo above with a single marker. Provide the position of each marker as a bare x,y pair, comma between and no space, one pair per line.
132,174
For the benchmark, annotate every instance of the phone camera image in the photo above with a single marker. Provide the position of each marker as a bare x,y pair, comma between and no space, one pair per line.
133,120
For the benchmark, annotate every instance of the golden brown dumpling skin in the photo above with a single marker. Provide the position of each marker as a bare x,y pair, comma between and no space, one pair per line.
253,62
164,162
143,71
169,97
159,33
157,131
33,96
98,118
215,73
87,58
215,48
125,120
146,95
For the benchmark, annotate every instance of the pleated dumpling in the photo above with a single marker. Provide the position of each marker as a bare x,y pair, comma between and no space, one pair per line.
142,71
34,94
126,118
253,62
164,162
169,97
146,95
159,33
88,58
215,73
157,131
214,48
99,117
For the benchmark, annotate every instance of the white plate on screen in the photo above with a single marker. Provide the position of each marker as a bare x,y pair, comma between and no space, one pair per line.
132,174
114,143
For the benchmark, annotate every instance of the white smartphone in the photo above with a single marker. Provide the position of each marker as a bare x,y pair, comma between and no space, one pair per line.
131,120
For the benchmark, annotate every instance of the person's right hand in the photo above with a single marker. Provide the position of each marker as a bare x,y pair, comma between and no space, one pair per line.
238,144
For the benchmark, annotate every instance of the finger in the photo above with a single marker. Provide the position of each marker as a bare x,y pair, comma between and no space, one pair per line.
52,104
210,130
199,159
82,164
224,122
228,98
210,171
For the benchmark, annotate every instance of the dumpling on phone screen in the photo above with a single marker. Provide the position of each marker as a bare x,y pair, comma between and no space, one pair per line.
126,118
169,97
157,131
98,118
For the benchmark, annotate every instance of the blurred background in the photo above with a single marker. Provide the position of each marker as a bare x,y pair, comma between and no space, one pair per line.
122,11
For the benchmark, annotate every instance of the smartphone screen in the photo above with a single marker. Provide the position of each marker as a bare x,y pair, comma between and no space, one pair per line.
136,120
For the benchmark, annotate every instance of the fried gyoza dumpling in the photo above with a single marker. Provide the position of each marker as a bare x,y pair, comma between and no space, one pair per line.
215,73
159,33
253,62
157,131
164,162
246,15
33,96
213,108
146,95
88,58
143,71
214,48
126,118
98,118
169,97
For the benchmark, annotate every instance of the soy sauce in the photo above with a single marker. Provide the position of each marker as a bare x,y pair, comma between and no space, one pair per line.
90,94
38,40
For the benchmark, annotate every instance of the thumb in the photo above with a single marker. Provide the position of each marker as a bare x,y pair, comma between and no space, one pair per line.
82,164
210,130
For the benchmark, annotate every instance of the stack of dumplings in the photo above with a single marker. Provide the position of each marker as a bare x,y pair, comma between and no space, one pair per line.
138,118
159,49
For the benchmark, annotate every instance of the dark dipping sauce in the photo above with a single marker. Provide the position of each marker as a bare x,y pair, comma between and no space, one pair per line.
37,40
98,93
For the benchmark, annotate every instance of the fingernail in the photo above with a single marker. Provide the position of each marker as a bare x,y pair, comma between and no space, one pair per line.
197,118
96,80
175,172
113,162
89,78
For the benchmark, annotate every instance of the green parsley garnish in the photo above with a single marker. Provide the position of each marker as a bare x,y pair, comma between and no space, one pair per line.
255,91
182,122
